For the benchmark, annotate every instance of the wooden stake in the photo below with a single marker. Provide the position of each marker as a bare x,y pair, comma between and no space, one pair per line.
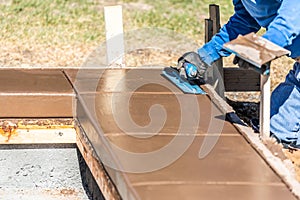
208,30
114,36
213,24
265,106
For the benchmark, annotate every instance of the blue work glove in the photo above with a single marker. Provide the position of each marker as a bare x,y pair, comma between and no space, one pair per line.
194,59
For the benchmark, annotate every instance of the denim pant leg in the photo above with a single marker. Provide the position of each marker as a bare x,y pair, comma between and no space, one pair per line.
285,108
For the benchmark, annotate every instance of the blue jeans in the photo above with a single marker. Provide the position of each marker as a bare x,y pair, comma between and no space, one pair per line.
285,108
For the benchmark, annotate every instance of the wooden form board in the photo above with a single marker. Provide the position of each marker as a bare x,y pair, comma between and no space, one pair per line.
103,181
40,136
237,79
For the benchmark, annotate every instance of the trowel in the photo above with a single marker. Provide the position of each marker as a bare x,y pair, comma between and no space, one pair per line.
255,50
180,80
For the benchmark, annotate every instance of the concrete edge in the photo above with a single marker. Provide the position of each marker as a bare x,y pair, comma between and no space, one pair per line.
281,168
216,99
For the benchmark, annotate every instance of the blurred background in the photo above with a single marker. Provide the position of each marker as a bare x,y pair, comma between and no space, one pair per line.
63,33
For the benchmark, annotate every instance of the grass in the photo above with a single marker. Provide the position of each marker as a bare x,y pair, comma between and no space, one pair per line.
52,22
183,16
81,21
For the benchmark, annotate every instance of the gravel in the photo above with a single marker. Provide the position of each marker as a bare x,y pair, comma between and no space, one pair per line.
40,174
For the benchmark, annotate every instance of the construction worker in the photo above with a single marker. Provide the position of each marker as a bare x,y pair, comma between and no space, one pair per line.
281,19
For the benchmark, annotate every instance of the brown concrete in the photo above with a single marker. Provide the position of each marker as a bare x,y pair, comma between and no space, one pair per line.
139,106
224,165
232,170
212,192
124,80
35,93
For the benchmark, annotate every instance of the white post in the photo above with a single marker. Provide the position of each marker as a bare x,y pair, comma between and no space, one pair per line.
114,36
265,106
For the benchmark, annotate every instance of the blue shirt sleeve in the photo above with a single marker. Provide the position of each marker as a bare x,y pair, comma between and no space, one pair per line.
240,23
286,25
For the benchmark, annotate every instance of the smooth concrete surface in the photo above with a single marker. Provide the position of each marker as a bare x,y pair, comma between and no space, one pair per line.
123,80
35,93
41,174
212,192
139,112
111,107
113,112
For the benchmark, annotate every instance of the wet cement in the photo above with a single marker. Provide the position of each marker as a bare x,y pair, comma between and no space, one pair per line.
118,110
232,170
35,93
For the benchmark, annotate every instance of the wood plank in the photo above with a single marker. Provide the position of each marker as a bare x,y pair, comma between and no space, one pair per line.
265,106
214,15
114,35
103,181
208,30
238,72
236,79
39,136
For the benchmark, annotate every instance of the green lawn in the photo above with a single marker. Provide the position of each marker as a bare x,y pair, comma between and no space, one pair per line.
52,22
56,22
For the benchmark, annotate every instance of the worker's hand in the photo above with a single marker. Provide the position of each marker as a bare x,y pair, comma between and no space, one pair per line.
242,63
264,69
193,58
